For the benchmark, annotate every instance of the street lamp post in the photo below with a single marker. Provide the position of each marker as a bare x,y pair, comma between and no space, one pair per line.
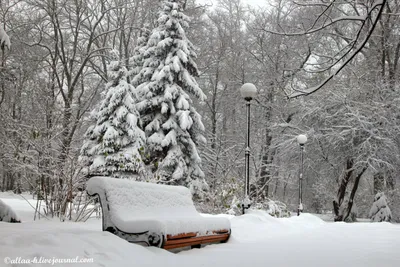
248,92
301,139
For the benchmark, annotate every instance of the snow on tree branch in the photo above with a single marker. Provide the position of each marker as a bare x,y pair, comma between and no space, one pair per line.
357,20
4,39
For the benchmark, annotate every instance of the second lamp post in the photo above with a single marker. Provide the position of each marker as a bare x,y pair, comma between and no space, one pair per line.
301,139
248,92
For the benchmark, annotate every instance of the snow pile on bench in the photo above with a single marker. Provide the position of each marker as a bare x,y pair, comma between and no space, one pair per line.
137,207
7,214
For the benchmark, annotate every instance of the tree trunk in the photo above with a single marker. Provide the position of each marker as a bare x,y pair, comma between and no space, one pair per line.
379,182
3,185
214,111
352,194
390,181
342,190
267,157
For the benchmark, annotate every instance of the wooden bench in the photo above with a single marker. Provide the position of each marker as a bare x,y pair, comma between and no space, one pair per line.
155,215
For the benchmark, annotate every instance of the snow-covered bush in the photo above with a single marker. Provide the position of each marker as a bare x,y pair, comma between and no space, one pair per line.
380,211
7,214
277,209
394,197
220,196
236,207
272,207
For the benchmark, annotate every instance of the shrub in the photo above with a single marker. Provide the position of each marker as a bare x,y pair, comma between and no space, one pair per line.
380,211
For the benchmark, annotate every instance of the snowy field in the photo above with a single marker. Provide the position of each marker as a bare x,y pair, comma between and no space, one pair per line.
258,240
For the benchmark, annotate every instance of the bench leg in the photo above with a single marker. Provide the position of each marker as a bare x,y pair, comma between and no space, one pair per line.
155,240
196,246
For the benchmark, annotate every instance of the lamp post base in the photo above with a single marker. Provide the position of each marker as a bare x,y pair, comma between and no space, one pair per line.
300,209
246,204
244,208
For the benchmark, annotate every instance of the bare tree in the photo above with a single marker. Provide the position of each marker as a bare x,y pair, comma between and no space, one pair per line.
337,32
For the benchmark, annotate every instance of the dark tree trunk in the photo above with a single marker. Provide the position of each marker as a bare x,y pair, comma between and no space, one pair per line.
342,190
390,180
352,194
267,157
10,180
379,181
3,184
214,111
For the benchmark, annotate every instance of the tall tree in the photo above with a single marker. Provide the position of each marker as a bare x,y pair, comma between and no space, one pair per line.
221,61
114,144
172,125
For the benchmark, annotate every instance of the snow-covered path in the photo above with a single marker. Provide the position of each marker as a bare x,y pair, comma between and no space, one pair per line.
257,240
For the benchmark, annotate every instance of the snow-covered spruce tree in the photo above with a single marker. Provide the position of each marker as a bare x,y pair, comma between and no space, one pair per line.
380,211
136,61
171,123
114,145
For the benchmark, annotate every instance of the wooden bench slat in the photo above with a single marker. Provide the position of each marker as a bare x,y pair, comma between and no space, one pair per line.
180,236
222,231
178,243
192,234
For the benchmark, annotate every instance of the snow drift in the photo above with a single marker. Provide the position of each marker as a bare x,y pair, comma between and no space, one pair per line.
7,214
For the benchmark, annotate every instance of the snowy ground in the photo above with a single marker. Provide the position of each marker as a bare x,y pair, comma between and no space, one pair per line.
257,240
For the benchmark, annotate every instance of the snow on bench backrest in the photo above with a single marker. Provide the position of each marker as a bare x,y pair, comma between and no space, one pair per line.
140,199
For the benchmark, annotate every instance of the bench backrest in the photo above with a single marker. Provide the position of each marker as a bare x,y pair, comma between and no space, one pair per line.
133,199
